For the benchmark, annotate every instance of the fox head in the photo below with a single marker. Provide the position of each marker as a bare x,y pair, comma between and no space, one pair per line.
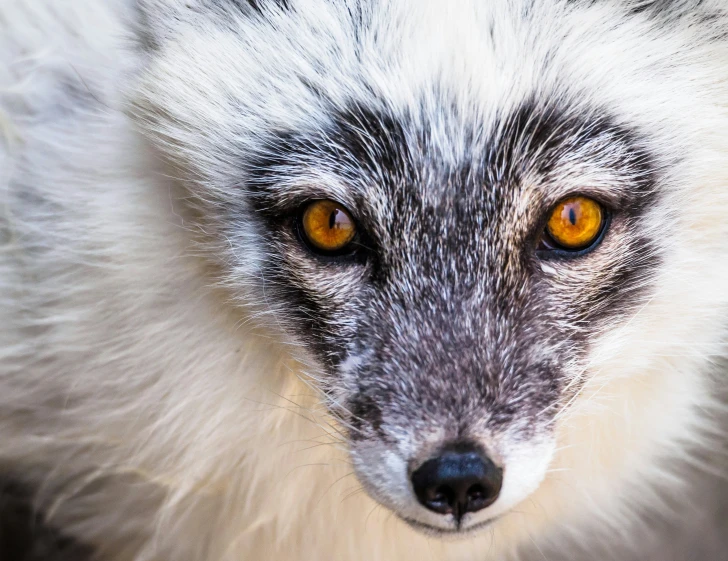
467,216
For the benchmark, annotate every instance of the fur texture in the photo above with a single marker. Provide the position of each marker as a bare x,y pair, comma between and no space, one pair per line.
180,378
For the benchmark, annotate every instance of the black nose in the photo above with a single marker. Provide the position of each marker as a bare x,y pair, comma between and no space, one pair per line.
459,481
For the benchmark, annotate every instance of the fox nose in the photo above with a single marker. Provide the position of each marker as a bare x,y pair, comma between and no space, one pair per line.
458,481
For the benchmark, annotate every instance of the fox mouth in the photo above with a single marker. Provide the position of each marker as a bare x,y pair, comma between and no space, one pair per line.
458,531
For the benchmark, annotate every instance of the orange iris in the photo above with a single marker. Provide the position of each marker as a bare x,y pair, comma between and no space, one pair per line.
328,226
575,222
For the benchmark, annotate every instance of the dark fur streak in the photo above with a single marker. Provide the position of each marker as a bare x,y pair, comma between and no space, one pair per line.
671,9
623,292
553,132
257,5
24,535
365,414
313,324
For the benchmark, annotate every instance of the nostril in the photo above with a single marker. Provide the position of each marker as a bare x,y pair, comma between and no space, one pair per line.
478,497
459,481
476,492
440,499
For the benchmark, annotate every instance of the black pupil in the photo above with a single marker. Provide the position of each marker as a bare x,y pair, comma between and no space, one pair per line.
572,216
333,219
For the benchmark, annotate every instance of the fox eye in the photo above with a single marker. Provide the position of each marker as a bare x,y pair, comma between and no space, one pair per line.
574,225
327,226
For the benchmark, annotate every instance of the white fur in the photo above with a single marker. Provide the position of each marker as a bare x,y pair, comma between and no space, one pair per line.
161,421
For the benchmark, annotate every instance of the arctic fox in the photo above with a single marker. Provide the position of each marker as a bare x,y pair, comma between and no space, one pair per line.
363,280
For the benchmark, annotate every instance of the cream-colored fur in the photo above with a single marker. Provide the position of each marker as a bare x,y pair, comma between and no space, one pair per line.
158,421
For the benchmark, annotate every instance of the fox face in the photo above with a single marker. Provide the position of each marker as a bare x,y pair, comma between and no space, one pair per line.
453,213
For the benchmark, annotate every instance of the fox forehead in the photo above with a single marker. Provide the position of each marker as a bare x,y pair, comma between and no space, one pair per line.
450,75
